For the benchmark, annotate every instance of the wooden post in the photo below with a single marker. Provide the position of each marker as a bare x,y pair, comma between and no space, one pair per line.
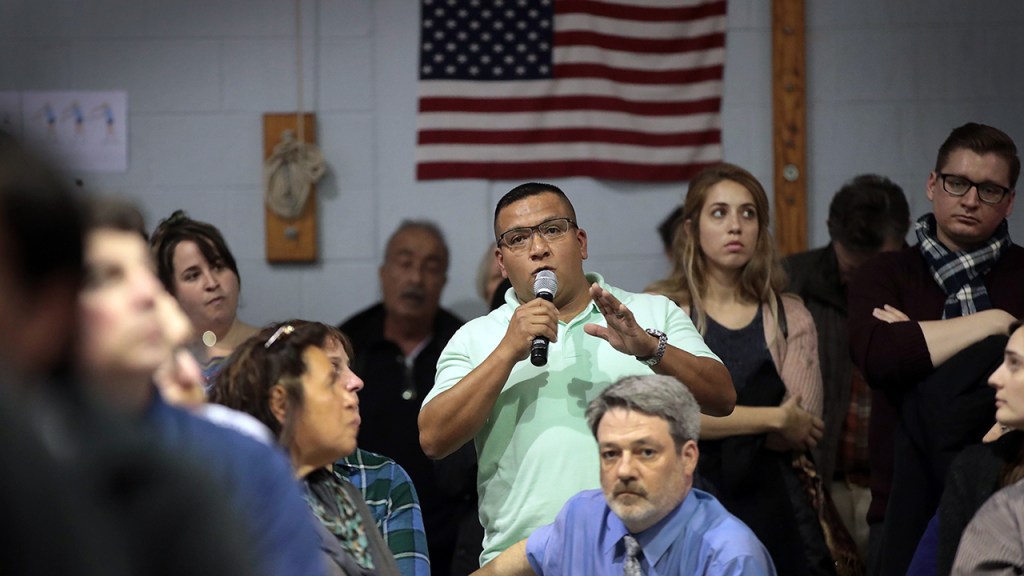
789,125
291,240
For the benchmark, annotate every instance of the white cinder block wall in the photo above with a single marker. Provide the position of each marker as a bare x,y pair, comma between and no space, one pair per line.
886,82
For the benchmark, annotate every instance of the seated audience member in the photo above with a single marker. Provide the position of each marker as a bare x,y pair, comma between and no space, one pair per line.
982,469
397,342
649,519
384,484
197,267
920,322
284,377
993,542
868,215
122,341
728,278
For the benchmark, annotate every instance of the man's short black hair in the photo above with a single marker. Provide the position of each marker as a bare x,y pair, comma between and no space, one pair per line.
525,191
866,212
667,227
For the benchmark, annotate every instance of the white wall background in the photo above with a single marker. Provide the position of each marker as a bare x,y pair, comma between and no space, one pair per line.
887,81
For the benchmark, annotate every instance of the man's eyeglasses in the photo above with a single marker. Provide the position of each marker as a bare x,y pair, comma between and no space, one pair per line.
518,239
987,192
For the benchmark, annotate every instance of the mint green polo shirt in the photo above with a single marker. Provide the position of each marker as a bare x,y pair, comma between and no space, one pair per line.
535,450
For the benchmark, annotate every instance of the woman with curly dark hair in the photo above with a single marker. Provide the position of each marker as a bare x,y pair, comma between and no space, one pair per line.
284,377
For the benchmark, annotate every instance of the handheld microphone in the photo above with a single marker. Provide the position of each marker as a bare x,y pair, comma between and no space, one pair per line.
544,286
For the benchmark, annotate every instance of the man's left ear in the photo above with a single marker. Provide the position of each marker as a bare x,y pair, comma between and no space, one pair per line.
581,236
691,454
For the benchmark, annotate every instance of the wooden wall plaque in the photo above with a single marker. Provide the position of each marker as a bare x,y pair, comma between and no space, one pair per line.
290,240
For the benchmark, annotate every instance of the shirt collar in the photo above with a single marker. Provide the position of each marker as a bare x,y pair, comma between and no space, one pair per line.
512,300
656,540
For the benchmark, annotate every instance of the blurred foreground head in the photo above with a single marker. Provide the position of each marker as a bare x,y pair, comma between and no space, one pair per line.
40,264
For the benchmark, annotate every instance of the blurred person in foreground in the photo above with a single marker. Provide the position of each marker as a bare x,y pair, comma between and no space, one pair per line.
86,478
122,340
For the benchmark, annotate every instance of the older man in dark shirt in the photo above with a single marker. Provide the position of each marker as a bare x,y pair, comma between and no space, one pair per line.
397,342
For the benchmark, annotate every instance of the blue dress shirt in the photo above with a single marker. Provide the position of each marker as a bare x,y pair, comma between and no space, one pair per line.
259,483
698,537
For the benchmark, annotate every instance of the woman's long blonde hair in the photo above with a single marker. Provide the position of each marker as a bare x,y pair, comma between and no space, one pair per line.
762,278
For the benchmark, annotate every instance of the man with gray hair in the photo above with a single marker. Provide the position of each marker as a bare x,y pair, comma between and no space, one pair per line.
397,343
649,519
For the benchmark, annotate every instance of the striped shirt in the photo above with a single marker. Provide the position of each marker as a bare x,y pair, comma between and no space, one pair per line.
391,496
993,543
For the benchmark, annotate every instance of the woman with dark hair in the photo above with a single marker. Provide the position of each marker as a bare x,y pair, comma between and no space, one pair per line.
284,377
197,267
727,275
981,470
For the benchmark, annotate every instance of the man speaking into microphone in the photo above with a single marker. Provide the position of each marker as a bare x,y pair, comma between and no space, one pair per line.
527,420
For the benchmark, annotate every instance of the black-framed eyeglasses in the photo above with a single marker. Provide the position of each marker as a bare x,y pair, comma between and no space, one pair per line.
988,192
518,239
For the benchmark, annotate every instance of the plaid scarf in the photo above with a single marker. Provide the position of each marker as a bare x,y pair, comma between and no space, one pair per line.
960,273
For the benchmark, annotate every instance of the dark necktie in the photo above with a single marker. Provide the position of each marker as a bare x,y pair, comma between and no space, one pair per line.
631,567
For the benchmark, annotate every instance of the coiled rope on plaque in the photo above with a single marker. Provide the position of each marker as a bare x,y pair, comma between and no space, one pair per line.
294,165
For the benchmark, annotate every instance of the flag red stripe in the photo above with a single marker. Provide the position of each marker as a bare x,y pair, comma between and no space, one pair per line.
556,169
639,13
639,45
570,103
638,76
540,136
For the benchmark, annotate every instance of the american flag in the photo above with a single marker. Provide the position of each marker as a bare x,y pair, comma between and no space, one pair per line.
528,89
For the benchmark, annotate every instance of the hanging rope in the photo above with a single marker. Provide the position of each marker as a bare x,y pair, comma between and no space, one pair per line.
295,165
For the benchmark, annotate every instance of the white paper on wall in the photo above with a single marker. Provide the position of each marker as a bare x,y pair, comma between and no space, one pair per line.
83,130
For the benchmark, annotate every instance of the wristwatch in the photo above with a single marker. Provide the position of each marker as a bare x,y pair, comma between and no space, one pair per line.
662,343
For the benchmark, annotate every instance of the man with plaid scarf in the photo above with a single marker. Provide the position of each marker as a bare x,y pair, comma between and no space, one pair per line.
912,315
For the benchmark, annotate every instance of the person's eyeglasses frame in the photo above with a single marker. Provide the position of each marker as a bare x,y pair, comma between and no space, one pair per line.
534,230
1003,191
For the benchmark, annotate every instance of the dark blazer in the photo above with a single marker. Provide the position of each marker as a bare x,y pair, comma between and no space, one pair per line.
814,276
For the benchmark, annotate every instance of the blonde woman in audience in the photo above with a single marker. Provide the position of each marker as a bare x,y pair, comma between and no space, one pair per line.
197,267
727,276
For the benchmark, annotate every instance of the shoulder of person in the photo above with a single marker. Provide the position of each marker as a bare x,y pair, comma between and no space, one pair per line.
367,316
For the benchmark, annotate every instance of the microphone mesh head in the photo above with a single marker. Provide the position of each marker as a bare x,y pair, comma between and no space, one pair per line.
545,282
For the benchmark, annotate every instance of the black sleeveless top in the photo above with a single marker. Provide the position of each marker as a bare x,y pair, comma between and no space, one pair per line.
742,351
